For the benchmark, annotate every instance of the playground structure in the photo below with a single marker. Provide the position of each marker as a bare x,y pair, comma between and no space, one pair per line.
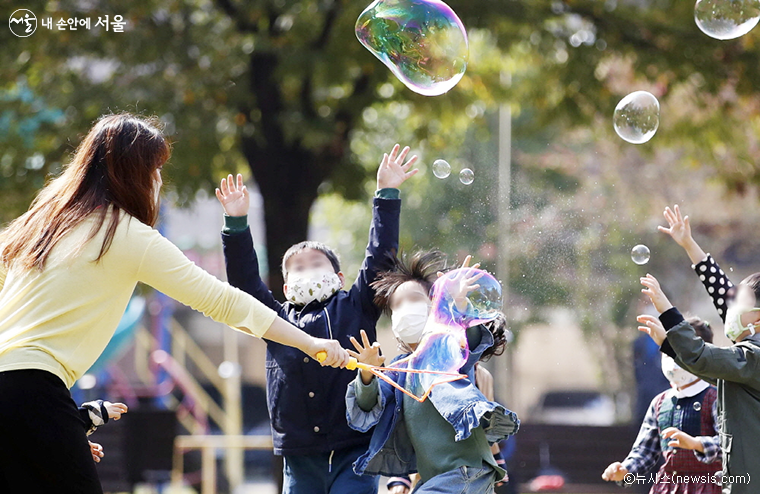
162,352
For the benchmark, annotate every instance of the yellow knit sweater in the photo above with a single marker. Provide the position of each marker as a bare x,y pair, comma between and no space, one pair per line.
61,318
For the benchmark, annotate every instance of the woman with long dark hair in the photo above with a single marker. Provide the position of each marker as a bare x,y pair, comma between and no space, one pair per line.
68,267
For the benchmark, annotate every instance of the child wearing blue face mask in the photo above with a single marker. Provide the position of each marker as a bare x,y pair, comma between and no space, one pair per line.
306,400
447,438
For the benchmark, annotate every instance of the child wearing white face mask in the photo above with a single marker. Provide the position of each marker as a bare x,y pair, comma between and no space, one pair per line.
306,401
680,427
447,438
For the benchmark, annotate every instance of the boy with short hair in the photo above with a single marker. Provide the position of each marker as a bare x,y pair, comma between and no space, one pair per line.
306,401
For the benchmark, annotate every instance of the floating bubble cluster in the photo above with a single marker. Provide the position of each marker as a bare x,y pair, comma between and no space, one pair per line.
441,168
423,42
637,117
726,19
640,254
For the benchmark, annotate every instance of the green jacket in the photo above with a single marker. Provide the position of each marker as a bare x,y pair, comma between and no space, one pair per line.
736,371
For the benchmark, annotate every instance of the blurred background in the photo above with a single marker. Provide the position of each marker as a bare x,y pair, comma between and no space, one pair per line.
282,92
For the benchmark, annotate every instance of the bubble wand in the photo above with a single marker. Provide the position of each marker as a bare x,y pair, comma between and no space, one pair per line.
379,371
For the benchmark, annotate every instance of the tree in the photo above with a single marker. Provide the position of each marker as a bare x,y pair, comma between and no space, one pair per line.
280,86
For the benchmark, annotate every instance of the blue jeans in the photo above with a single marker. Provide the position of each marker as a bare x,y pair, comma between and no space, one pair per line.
327,473
463,480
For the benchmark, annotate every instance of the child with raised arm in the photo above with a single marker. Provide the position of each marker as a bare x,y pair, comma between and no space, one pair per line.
446,438
306,402
735,369
680,427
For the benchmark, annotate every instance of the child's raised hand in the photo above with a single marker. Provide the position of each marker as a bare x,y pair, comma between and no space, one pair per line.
115,410
366,352
97,451
616,472
655,293
679,227
393,171
234,196
653,327
680,439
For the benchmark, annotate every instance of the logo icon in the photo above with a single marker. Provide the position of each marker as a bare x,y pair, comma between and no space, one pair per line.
23,23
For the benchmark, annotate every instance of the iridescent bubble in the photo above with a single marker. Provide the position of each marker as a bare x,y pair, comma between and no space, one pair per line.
640,254
461,298
423,42
466,176
441,168
726,19
637,117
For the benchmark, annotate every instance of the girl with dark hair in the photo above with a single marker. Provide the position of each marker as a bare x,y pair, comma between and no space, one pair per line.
447,438
68,267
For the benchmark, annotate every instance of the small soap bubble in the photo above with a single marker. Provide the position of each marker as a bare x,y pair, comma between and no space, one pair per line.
441,168
466,176
726,19
637,117
640,254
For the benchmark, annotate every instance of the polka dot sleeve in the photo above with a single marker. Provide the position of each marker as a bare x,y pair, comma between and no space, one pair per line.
718,286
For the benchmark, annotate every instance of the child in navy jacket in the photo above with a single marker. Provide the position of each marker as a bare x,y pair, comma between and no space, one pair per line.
306,401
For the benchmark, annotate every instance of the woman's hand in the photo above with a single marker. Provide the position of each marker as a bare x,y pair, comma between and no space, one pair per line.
398,489
115,410
393,171
334,354
234,196
680,230
653,327
654,291
97,451
615,472
680,439
366,353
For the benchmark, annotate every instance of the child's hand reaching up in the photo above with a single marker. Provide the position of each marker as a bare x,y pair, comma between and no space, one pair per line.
653,327
115,410
234,196
393,171
616,472
679,230
655,293
680,439
366,353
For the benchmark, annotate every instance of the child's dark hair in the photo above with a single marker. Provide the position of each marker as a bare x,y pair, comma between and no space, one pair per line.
421,267
310,244
753,281
498,328
702,328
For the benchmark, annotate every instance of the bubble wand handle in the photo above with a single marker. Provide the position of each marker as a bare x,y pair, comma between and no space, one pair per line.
354,364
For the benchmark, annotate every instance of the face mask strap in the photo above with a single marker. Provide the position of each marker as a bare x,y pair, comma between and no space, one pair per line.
751,326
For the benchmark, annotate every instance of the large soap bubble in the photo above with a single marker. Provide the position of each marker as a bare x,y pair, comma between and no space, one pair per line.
423,42
726,19
637,117
461,298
